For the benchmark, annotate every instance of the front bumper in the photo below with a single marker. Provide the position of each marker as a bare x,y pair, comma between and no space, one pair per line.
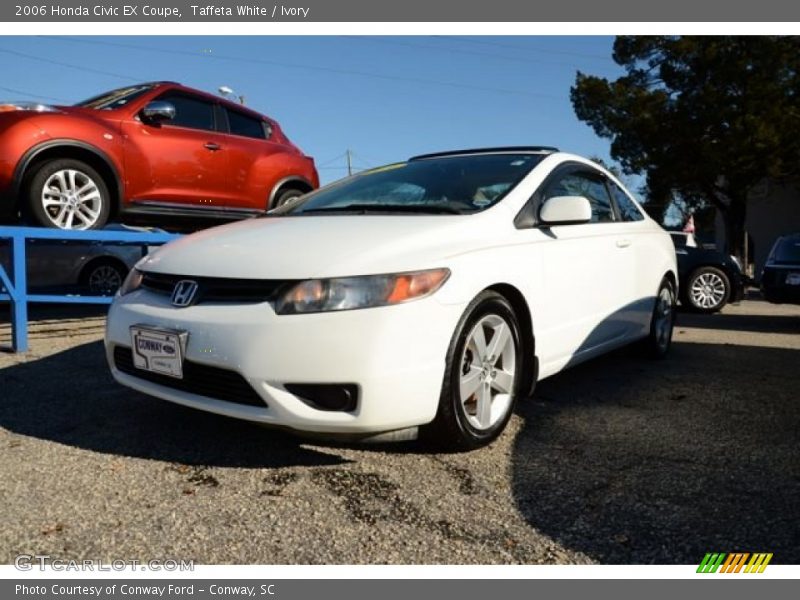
395,355
781,294
738,285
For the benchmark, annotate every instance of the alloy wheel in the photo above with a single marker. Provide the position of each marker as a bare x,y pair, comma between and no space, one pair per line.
488,369
105,280
707,290
71,199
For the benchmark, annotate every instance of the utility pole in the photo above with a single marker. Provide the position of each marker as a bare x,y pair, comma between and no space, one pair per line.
349,162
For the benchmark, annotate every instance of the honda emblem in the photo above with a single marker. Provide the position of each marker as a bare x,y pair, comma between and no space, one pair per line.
184,293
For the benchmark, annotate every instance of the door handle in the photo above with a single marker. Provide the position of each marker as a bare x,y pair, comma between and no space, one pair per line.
211,146
623,243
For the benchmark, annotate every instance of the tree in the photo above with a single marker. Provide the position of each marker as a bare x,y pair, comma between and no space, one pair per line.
705,119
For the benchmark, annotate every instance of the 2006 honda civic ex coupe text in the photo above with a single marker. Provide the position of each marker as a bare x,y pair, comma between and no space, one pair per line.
429,294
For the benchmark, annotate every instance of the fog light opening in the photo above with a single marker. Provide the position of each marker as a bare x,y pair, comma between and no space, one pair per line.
331,397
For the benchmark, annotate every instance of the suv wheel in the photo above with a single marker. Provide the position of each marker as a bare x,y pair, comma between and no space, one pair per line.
286,196
707,290
483,375
68,194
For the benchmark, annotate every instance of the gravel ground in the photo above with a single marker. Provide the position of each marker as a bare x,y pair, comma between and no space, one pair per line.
621,460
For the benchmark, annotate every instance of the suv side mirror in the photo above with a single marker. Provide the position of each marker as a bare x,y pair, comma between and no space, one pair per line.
565,210
158,111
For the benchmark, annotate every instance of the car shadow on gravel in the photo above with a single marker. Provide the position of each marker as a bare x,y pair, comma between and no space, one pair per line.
636,461
71,398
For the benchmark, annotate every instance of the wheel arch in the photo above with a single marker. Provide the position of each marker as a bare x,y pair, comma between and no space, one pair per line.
673,278
75,149
291,182
523,313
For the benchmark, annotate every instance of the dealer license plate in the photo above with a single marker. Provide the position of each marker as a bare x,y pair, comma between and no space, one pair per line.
158,350
793,279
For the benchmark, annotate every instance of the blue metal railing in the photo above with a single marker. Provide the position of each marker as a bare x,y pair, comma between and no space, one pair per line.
16,282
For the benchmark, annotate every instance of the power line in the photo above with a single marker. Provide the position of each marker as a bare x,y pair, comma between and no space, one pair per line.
332,160
358,157
67,65
521,59
482,42
28,94
309,67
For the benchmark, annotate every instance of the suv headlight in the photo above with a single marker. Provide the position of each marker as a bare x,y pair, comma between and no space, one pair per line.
348,293
31,106
132,282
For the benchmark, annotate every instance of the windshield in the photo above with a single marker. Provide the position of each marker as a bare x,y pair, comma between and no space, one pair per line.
788,251
115,98
446,185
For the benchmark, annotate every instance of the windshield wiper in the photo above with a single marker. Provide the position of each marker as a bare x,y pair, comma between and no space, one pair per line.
435,209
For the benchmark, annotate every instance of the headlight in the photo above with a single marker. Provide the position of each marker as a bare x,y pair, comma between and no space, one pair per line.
32,106
132,282
348,293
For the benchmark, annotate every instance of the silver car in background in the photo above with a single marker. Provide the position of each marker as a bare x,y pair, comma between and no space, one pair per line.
96,268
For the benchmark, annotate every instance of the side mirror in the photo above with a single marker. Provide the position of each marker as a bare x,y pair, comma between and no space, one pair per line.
158,111
565,210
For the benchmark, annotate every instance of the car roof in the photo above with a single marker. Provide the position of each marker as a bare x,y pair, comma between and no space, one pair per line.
498,150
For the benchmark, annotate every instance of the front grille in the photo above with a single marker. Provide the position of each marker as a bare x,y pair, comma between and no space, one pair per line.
203,380
219,289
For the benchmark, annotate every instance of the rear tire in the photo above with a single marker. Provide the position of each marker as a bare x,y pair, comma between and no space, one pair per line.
662,321
286,196
68,194
483,376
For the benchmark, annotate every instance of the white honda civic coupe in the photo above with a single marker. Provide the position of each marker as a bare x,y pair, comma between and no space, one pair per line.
426,296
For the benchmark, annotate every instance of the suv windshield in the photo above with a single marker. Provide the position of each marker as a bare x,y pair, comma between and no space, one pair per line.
115,98
788,251
461,184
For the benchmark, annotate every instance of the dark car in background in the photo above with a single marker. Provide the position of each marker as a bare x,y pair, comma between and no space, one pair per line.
708,279
95,268
780,279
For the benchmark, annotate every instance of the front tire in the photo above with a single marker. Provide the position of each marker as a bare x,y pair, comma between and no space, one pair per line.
103,277
68,194
707,290
483,376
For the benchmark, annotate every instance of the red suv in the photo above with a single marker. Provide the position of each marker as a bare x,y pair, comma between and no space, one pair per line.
151,150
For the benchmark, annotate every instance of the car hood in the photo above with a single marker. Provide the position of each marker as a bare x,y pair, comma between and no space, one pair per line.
322,246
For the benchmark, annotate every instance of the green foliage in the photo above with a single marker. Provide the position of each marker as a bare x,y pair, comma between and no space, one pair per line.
704,118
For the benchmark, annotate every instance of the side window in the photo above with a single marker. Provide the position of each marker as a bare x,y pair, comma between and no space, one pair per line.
627,208
591,187
245,125
191,112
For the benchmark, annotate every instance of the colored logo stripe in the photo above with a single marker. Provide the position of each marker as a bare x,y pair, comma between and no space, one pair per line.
734,562
758,563
710,563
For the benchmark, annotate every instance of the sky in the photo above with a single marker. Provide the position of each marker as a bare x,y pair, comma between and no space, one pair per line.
384,98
